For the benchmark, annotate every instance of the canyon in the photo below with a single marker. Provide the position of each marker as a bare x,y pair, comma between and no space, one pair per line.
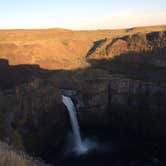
115,78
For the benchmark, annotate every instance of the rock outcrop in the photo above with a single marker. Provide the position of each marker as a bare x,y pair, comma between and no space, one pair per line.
124,105
138,107
11,76
33,118
135,48
95,109
91,100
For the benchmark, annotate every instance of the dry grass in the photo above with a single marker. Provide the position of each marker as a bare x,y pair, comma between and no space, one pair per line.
56,48
9,157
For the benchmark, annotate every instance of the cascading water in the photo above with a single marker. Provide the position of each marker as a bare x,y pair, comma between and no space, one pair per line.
79,146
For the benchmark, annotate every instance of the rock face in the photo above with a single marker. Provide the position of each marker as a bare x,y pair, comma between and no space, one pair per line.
4,64
139,42
138,107
135,48
91,101
33,118
125,105
15,75
95,97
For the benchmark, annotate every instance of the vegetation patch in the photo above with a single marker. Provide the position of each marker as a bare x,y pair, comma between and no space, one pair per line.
65,43
103,52
9,157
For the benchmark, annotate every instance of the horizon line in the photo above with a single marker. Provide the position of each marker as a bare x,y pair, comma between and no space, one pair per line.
93,29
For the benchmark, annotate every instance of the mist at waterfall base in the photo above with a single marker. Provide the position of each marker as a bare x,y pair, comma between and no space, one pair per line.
77,145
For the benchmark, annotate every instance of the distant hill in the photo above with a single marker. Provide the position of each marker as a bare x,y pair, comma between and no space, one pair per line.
68,49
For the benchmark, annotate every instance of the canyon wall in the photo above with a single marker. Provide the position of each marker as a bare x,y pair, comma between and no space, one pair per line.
91,100
124,105
138,107
33,118
113,94
131,45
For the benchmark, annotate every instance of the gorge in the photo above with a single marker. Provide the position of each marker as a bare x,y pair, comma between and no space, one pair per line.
118,90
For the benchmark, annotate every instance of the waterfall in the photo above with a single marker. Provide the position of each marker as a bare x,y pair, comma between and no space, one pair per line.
79,146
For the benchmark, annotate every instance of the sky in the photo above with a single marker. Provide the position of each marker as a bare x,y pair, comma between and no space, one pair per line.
81,14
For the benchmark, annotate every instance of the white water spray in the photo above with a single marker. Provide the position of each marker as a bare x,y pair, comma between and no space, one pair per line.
79,146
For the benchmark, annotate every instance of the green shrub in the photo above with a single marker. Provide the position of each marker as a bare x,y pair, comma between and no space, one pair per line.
103,52
66,42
